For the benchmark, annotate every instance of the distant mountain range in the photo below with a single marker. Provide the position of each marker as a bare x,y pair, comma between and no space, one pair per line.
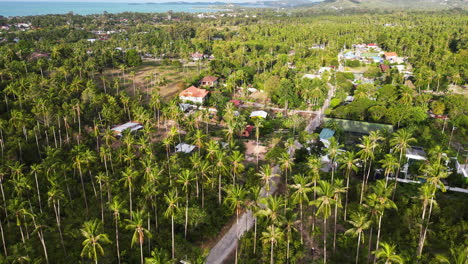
385,4
343,4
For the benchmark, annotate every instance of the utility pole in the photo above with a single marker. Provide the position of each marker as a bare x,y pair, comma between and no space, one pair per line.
451,134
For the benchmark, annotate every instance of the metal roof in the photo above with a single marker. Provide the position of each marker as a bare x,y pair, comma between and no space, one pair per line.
327,133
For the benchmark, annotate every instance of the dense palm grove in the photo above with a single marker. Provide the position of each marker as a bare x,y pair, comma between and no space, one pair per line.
73,192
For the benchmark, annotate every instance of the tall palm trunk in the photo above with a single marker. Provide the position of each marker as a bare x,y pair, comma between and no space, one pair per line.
378,236
255,234
57,219
141,252
423,234
117,238
325,240
172,229
38,192
131,201
363,182
302,224
370,243
3,239
272,253
357,249
186,213
334,229
83,188
346,199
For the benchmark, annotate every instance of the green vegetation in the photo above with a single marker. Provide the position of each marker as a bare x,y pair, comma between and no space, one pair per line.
72,189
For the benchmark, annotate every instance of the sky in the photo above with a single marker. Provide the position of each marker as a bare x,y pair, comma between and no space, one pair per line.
135,1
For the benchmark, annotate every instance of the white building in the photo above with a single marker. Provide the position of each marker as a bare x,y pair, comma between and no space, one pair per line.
132,126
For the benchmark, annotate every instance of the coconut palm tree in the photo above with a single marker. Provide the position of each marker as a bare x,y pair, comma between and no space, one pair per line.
137,224
360,222
289,223
458,255
92,247
254,205
273,235
237,159
286,163
367,154
266,174
185,178
386,254
338,189
128,178
301,188
235,200
324,203
117,207
172,200
258,124
382,193
390,164
435,172
333,152
349,162
400,141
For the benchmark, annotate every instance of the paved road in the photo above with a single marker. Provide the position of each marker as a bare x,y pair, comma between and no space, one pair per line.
227,244
317,120
291,111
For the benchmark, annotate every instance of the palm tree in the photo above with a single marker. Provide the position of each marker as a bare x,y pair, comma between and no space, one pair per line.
172,201
235,199
137,224
324,203
55,196
349,161
400,141
434,175
185,178
93,238
116,206
236,159
390,164
333,152
383,202
458,255
273,235
337,190
286,163
258,124
128,177
35,169
301,187
266,174
255,194
366,153
360,222
386,254
289,222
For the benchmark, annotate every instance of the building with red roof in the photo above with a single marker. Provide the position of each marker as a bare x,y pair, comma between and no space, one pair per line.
193,94
209,81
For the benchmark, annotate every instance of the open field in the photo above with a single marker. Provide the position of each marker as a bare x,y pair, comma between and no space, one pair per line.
152,74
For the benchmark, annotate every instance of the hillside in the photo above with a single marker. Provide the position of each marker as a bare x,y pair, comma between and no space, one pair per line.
391,4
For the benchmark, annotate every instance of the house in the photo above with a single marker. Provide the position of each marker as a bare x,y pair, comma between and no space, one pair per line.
193,94
462,169
132,126
413,154
184,148
38,55
209,81
325,136
197,56
236,103
258,114
247,131
384,67
391,56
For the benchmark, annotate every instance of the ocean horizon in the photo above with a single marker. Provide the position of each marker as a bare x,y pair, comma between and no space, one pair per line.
20,8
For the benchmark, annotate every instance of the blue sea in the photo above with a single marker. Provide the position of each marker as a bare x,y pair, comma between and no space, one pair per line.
20,8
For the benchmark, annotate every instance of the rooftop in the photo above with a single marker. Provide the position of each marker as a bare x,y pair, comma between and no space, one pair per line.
260,113
209,79
391,54
327,133
193,91
133,126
